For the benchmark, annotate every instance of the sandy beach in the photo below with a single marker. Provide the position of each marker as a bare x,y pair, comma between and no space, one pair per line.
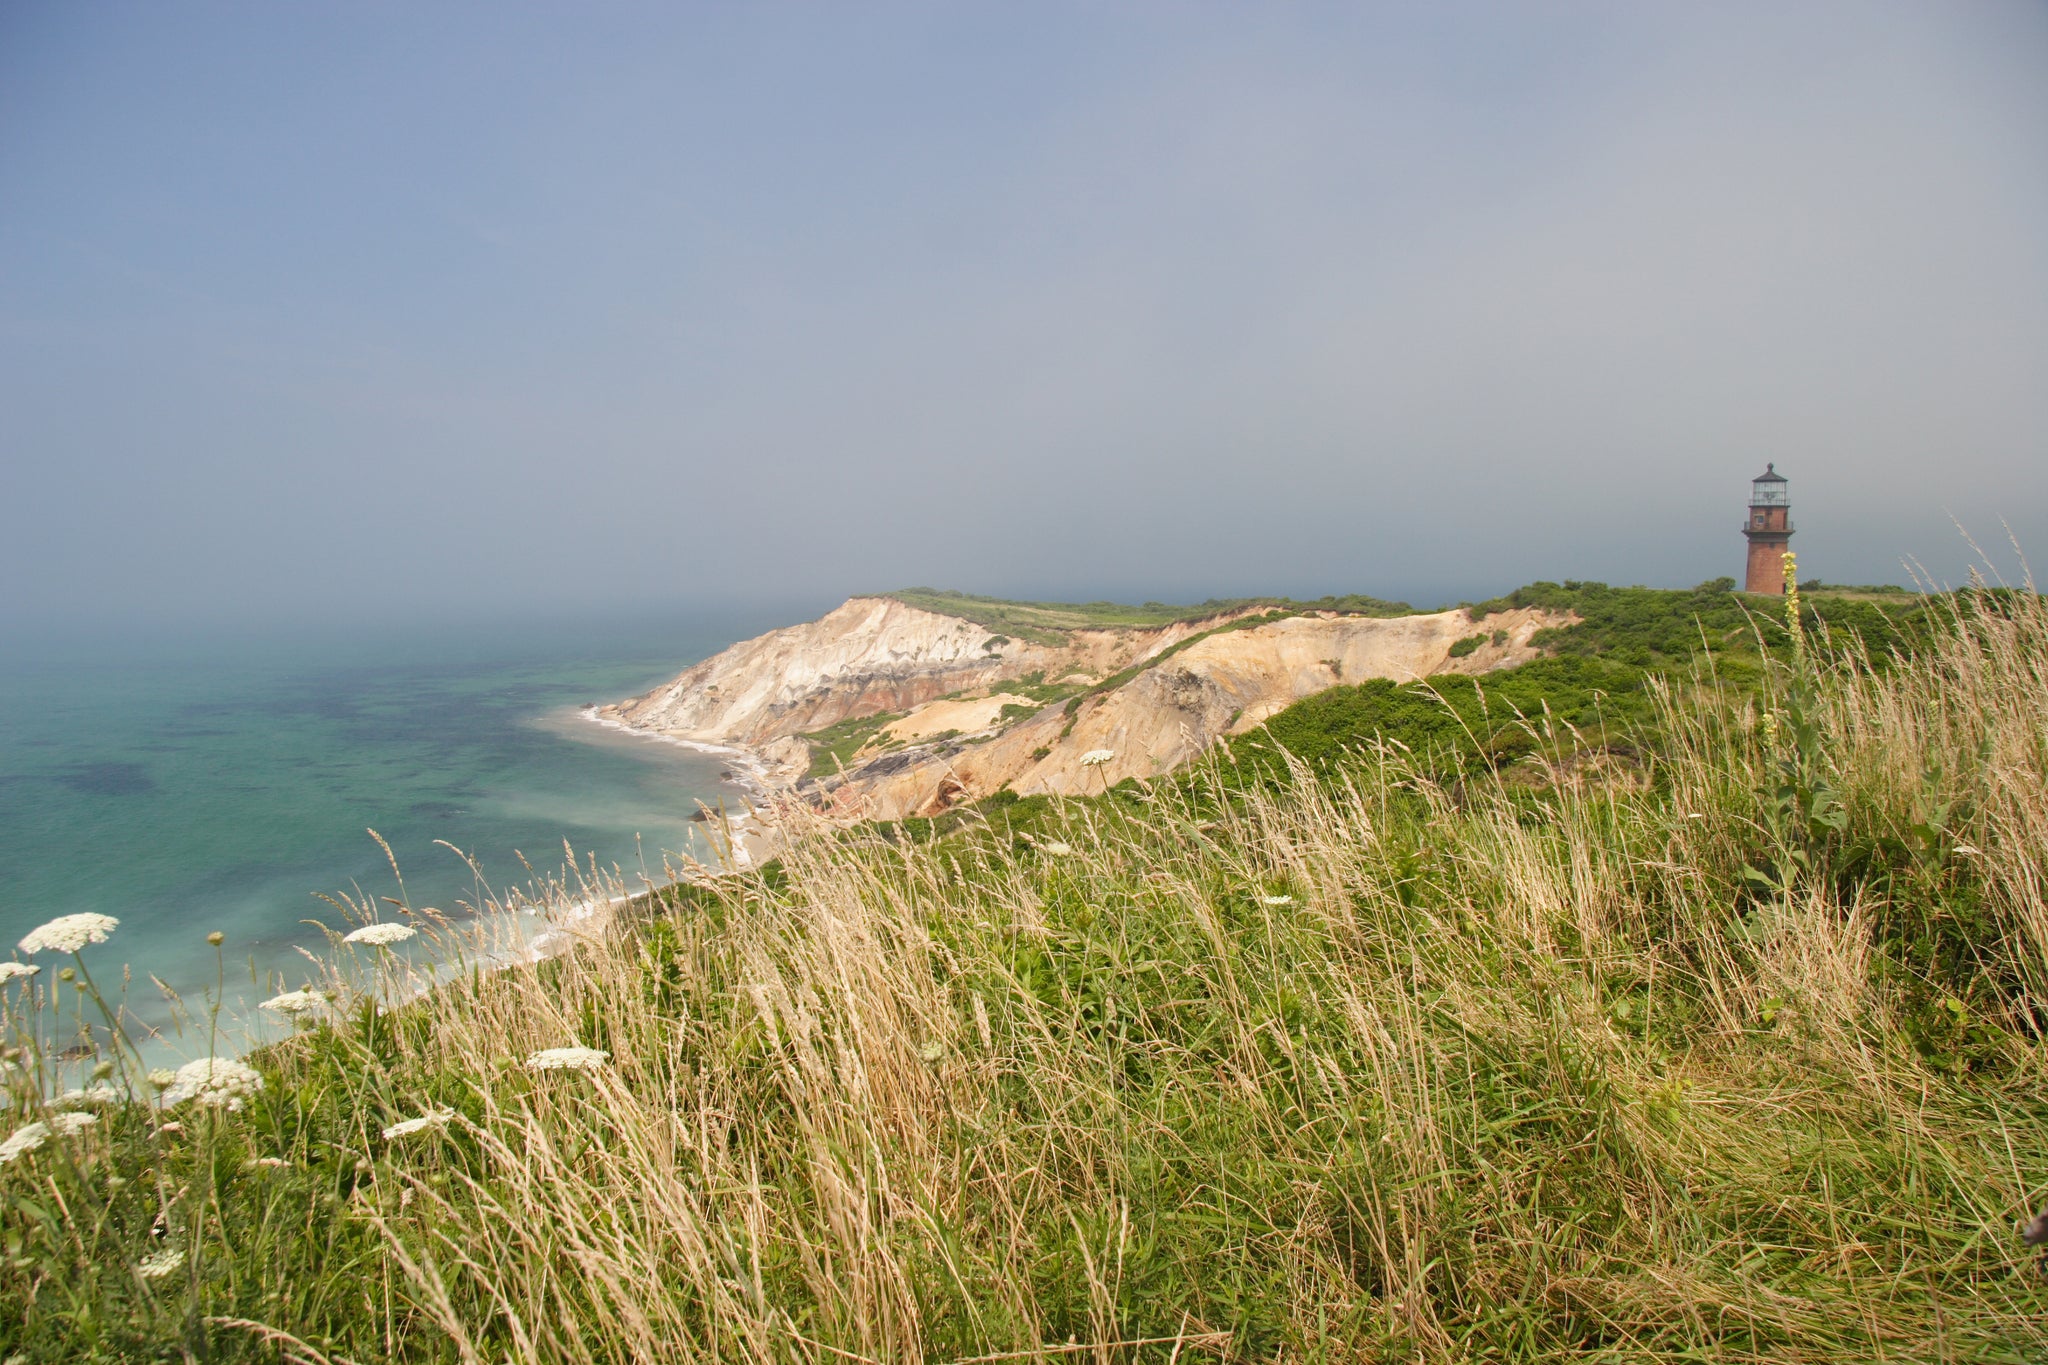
748,840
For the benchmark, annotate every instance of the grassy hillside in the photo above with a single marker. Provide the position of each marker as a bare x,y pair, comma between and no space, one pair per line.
1048,622
1727,1047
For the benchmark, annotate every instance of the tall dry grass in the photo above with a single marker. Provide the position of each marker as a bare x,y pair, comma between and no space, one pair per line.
1589,1066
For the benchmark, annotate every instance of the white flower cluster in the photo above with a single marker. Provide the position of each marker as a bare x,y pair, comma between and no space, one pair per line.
1276,900
381,935
434,1118
31,1136
100,1093
1056,848
1095,758
214,1081
158,1264
69,933
16,971
162,1077
567,1059
295,1002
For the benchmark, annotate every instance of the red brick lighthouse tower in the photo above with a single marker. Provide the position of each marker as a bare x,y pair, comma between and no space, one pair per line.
1769,530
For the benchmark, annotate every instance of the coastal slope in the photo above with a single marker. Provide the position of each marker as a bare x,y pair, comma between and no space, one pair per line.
884,709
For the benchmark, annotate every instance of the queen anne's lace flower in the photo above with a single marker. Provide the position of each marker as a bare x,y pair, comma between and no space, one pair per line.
30,1136
1095,758
69,933
101,1093
158,1264
1056,848
381,935
25,1139
295,1002
567,1059
16,971
215,1081
163,1077
1276,900
437,1118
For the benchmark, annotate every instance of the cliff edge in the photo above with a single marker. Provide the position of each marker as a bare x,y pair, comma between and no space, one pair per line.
884,709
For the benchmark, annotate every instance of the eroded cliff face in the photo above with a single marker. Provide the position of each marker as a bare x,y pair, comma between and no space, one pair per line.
876,654
868,656
1170,713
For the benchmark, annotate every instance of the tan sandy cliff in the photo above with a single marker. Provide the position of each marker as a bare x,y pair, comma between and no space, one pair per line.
944,675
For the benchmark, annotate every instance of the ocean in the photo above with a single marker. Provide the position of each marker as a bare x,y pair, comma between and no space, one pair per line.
188,786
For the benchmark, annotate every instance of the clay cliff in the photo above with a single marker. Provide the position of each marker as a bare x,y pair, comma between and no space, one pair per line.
1151,697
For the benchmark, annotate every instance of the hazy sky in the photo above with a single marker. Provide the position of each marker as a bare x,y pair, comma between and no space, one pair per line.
318,309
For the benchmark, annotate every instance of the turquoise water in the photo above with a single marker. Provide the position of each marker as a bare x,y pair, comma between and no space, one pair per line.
190,786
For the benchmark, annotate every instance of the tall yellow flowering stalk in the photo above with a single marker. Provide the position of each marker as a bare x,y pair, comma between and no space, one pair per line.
1792,604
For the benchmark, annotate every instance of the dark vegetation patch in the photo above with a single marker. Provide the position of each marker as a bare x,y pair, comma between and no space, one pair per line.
108,779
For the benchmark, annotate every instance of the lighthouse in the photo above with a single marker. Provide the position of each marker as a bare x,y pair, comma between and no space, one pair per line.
1769,531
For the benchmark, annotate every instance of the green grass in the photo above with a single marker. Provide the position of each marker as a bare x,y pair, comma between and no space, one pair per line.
833,747
1659,628
1034,686
1379,1036
1048,623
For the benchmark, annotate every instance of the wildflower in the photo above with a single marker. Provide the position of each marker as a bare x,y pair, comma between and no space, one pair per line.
1276,900
295,1002
214,1081
158,1264
33,1135
216,938
69,933
1791,562
1095,758
1056,848
25,1139
433,1118
16,971
97,1094
567,1059
163,1078
381,935
266,1163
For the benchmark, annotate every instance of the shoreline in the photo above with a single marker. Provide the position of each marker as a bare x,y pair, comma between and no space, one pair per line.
747,836
750,770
